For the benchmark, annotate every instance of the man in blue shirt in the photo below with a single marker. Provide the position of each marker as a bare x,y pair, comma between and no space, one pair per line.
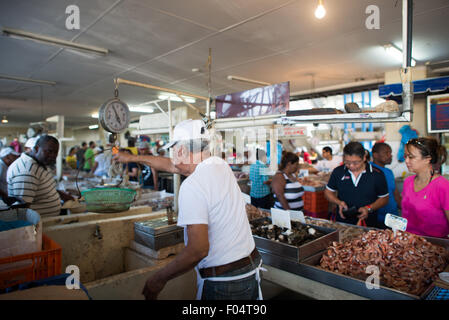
381,157
260,191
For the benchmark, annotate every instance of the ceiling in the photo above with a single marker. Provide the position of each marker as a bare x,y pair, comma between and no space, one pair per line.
159,42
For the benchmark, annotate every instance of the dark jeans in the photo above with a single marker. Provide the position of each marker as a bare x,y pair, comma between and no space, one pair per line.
264,203
243,289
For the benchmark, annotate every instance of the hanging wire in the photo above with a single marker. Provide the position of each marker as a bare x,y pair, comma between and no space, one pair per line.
116,88
42,102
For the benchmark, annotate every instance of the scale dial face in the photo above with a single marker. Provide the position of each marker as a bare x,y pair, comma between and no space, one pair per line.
114,116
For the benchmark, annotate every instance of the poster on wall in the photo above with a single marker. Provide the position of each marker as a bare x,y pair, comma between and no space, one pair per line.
438,113
264,101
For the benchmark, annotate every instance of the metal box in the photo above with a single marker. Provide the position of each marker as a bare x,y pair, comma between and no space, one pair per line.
157,233
296,253
358,286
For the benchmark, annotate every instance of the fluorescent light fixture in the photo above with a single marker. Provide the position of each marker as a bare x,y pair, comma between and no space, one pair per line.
248,80
4,120
396,53
13,78
320,12
142,109
94,115
176,98
20,34
94,126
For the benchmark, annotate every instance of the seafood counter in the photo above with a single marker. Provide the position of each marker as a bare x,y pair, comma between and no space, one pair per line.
408,264
346,231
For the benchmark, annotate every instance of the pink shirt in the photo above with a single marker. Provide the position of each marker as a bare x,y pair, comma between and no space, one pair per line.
424,209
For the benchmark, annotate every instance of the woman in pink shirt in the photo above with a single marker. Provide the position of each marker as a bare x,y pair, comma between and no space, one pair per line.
425,196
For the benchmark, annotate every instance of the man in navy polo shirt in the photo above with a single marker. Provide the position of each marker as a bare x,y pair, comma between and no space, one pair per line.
357,184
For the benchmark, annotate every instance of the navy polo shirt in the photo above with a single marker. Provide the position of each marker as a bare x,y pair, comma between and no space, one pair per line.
367,188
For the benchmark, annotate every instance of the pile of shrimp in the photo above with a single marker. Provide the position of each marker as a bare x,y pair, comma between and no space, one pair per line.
406,262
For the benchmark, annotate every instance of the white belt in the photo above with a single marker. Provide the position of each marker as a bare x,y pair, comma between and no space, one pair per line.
200,280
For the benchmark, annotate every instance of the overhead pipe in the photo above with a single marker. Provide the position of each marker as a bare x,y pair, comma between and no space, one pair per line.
406,74
149,86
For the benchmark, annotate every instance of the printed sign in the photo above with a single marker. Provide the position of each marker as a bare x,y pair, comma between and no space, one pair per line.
395,222
303,173
292,131
297,216
281,218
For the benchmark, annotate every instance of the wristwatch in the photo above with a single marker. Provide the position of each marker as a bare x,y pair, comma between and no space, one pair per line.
369,208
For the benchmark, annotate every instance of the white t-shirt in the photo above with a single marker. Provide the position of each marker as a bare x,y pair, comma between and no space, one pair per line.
104,162
329,165
211,195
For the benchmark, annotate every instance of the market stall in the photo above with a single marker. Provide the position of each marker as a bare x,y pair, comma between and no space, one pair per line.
334,266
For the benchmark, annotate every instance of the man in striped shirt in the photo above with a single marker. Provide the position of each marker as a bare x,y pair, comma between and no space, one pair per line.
31,180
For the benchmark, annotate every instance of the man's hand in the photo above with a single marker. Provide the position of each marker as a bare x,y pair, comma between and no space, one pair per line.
153,286
364,213
342,206
65,196
16,203
124,157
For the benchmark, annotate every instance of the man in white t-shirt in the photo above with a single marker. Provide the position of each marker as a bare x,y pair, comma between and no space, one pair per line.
102,162
330,161
217,233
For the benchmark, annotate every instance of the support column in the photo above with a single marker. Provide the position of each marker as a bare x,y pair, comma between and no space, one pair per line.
59,136
273,149
176,177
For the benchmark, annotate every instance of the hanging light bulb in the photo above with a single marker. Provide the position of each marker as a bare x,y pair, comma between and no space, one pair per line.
320,12
4,120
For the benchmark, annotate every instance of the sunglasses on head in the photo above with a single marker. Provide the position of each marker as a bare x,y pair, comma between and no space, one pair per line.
416,141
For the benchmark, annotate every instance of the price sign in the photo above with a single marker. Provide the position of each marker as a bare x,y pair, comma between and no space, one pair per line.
246,197
297,216
395,222
281,218
303,173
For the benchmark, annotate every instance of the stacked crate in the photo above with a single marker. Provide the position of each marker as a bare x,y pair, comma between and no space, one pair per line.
316,204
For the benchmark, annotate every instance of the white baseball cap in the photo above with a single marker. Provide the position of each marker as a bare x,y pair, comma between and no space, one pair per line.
7,151
188,130
31,142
